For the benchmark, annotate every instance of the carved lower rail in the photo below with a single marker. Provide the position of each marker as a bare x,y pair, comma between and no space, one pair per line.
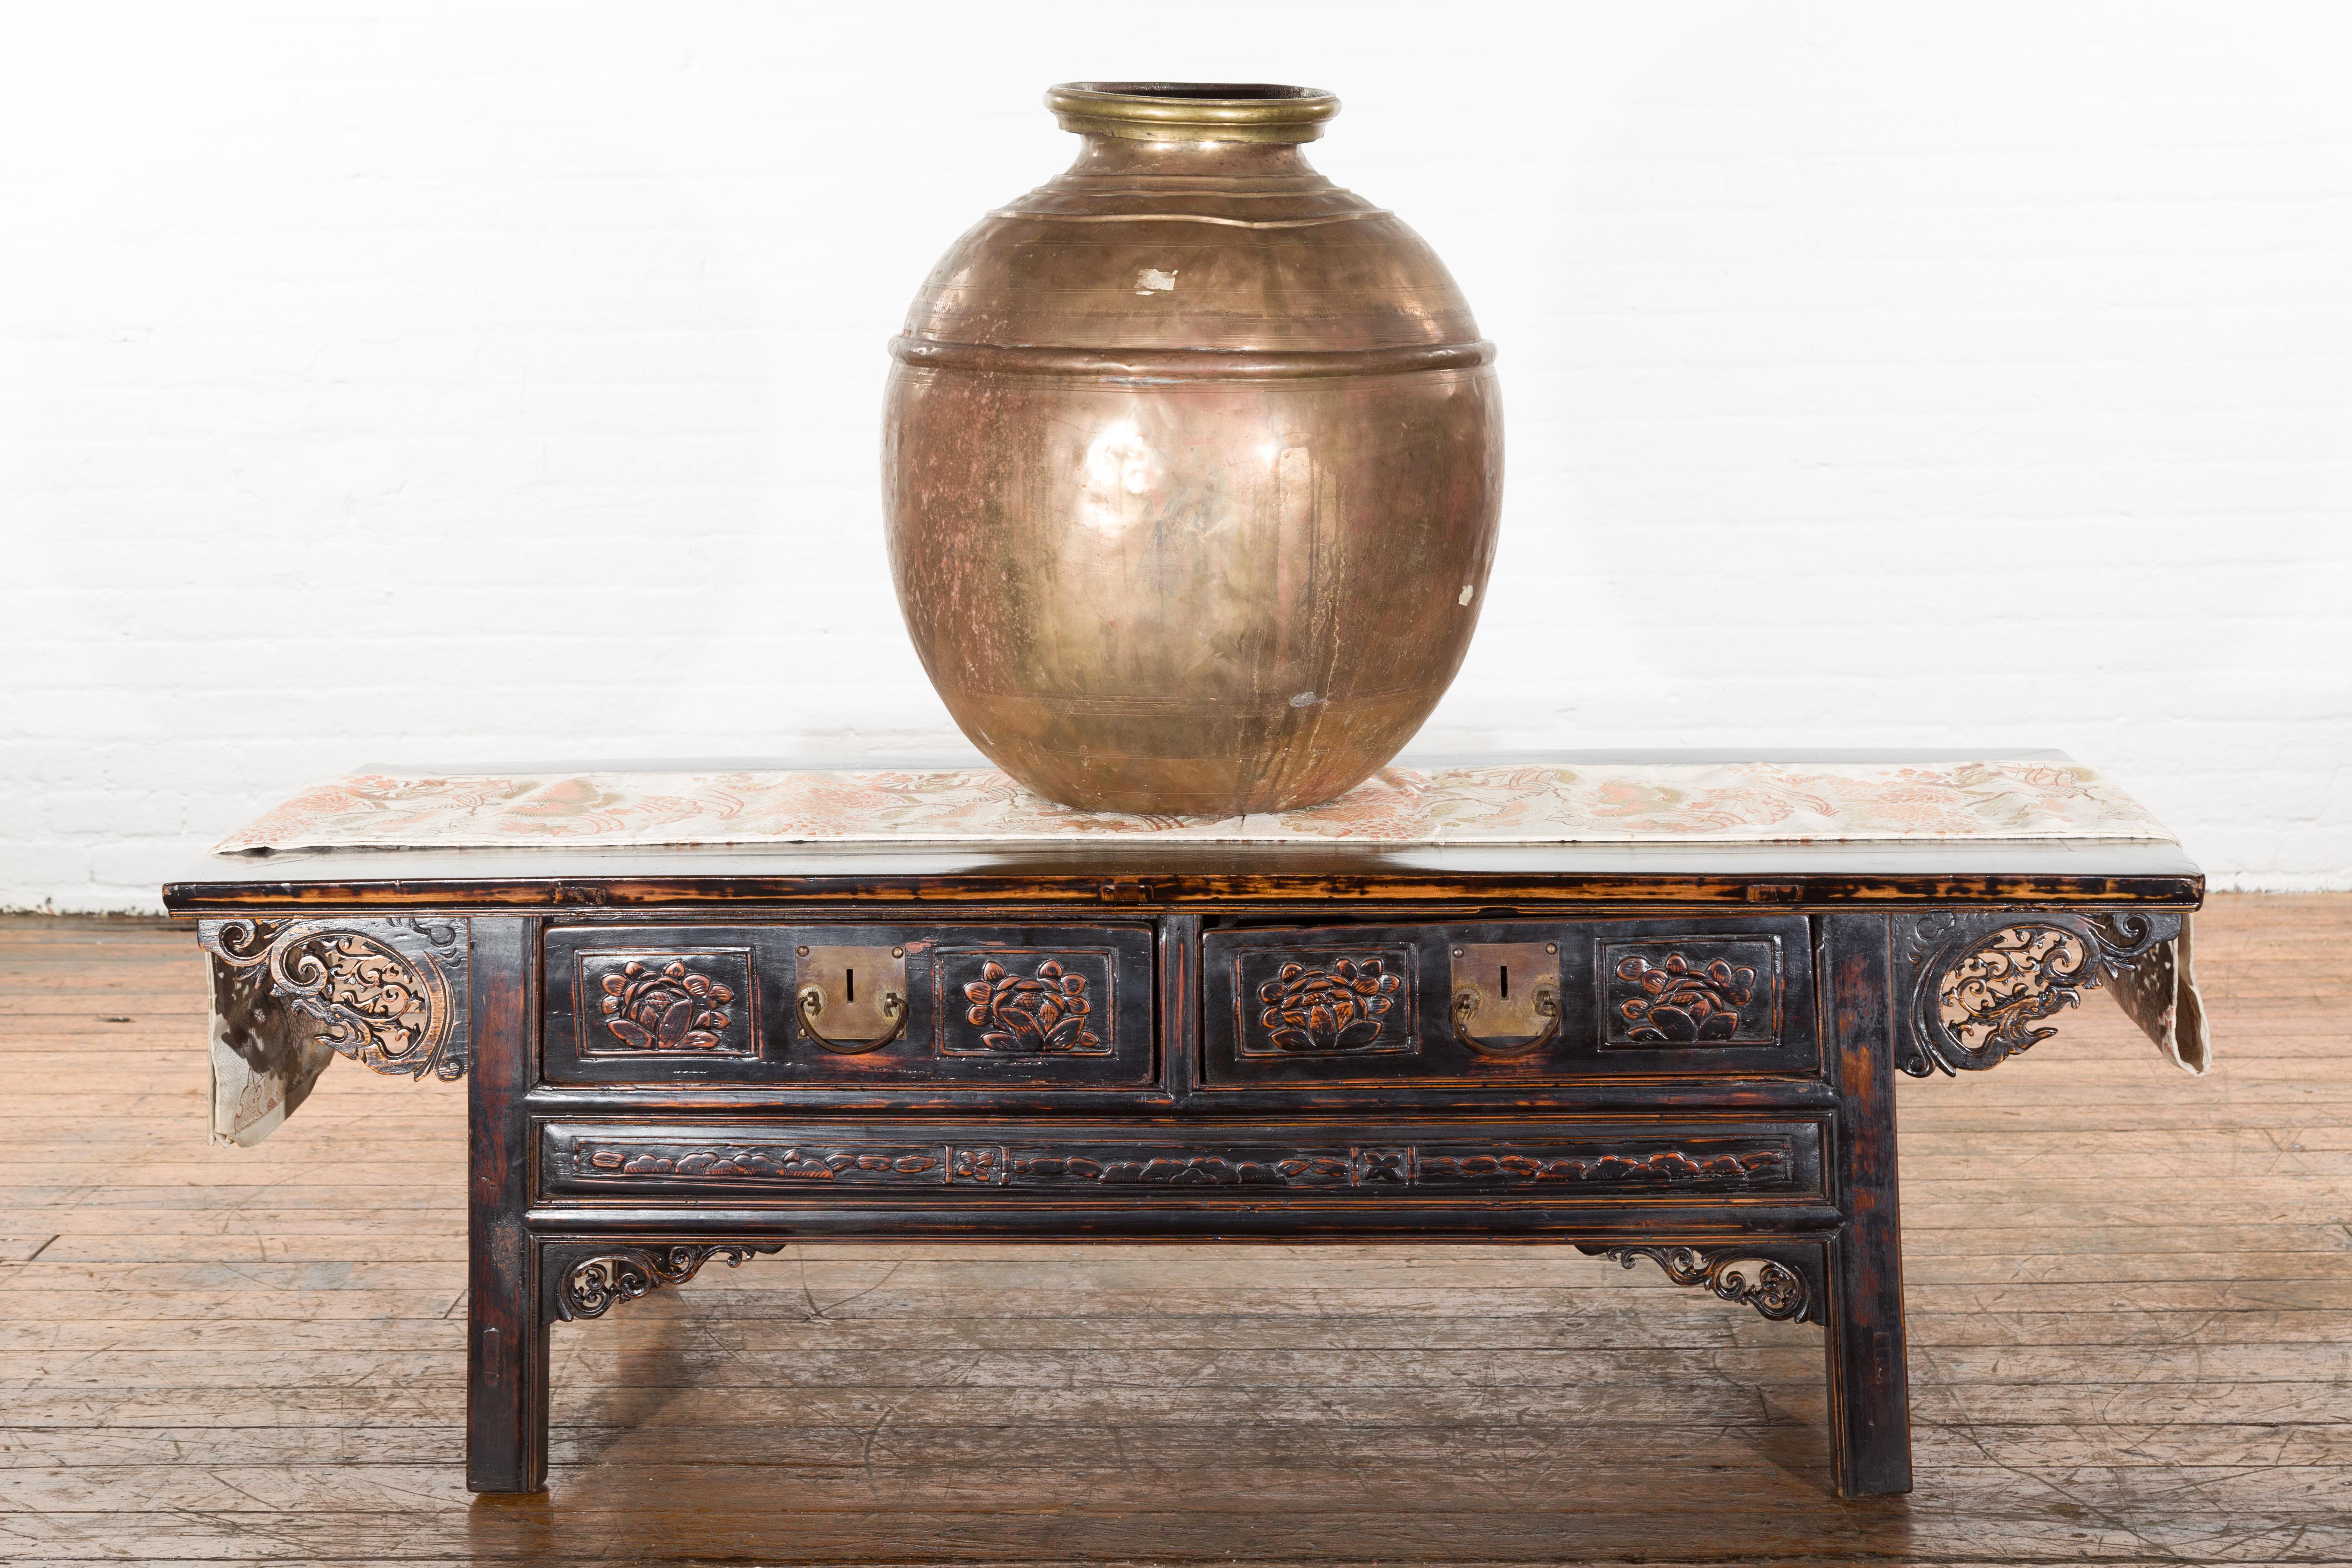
1785,1282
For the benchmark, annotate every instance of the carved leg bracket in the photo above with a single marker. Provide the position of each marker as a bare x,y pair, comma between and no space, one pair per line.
585,1281
1783,1282
1978,983
290,995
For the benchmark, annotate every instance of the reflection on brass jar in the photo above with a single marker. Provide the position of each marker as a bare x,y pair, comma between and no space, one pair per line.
1192,464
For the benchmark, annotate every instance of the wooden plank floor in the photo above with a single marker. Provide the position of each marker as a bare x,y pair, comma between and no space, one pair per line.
2130,1300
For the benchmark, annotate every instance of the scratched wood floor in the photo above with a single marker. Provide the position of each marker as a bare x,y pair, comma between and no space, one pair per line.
2130,1302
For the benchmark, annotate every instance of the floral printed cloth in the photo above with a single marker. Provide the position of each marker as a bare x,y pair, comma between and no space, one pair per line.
1545,803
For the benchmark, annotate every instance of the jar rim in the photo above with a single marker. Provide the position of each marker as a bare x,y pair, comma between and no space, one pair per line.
1192,110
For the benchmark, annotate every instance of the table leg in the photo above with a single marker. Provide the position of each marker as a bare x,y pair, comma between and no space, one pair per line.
506,1348
1870,1394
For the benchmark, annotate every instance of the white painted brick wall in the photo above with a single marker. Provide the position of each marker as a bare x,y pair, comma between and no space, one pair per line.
469,383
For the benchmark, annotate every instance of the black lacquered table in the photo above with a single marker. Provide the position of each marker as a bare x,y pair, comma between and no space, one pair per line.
1678,1056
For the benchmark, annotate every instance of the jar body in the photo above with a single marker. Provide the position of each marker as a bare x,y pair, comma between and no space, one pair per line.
1193,469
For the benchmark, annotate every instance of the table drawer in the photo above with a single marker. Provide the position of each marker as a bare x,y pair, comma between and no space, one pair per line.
1595,1159
860,1007
1521,1002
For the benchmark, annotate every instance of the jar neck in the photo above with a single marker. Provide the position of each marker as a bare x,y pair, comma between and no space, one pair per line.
1100,156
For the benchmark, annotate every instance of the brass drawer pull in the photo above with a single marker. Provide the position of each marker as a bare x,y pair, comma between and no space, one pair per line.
1546,1006
1482,984
812,1003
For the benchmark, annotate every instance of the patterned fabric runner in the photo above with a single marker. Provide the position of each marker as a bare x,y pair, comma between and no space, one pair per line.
1690,803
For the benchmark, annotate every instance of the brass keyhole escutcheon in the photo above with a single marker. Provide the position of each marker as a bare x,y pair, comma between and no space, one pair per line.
1507,996
852,1000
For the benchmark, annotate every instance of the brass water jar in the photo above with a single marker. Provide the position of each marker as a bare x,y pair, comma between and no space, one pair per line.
1192,464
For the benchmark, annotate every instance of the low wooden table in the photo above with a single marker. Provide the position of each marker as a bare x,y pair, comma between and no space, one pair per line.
1680,1053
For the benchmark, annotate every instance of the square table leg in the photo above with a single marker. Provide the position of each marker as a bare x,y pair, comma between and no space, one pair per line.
1870,1394
506,1346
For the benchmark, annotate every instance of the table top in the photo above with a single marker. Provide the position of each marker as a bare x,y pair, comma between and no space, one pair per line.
1138,874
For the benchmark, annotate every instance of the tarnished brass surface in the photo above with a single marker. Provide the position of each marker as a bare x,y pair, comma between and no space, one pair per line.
1190,110
851,999
1192,464
1505,996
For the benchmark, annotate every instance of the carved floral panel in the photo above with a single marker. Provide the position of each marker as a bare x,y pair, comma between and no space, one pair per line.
1697,991
640,1003
1326,1003
1021,1002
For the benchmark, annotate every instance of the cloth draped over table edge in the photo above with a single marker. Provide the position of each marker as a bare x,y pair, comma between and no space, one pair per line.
2159,993
262,1070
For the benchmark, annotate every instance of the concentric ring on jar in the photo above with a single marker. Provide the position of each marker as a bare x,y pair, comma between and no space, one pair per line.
1192,110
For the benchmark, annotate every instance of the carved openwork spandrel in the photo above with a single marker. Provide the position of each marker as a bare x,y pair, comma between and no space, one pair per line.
390,993
1981,983
1782,1284
584,1281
